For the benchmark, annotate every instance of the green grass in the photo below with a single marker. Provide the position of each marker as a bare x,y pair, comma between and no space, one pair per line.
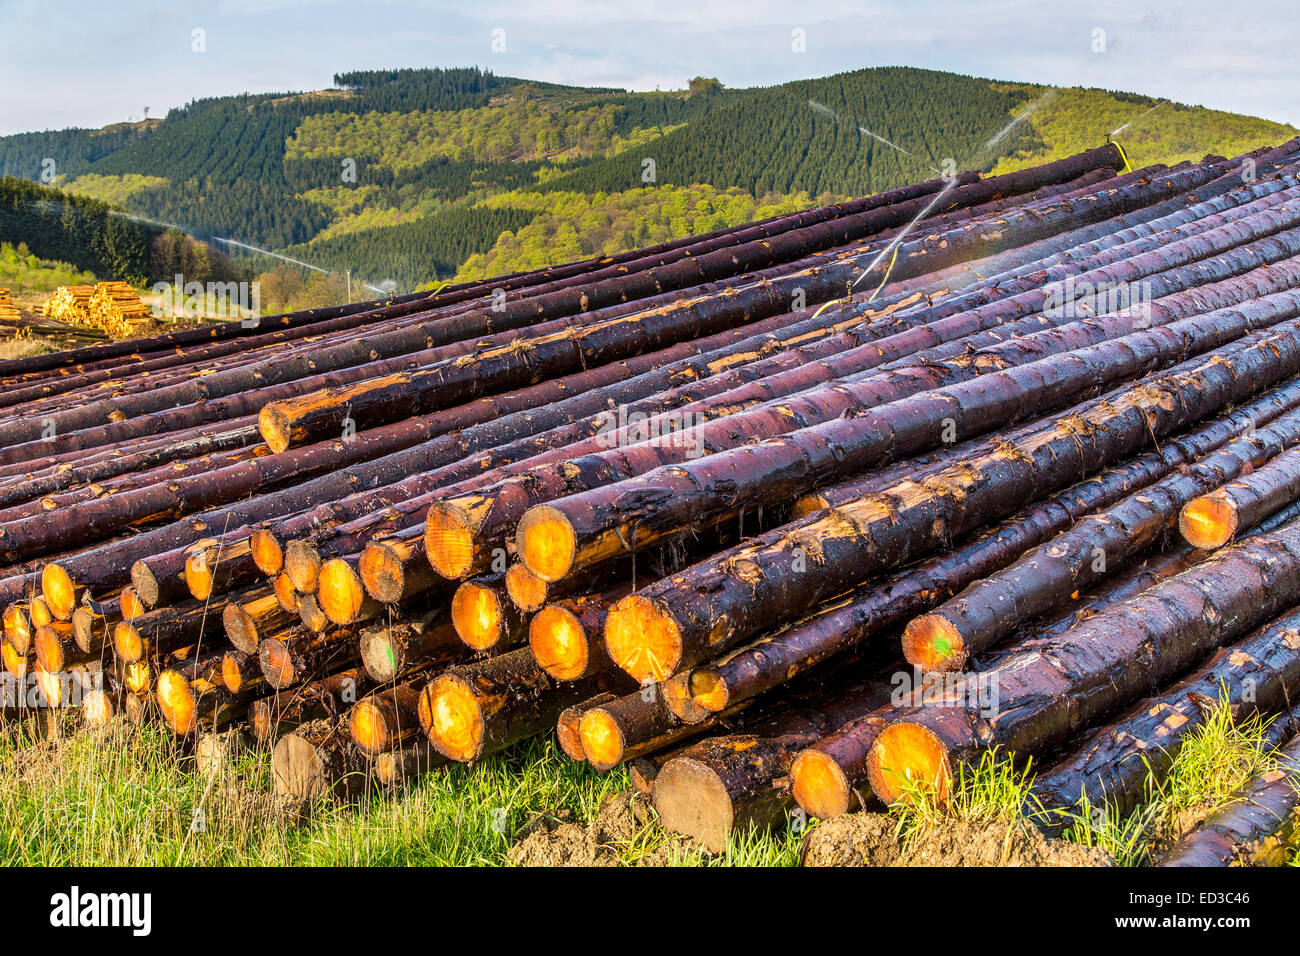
993,791
1210,767
132,798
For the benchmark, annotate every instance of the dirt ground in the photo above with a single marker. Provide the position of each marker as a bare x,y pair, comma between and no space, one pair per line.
869,839
855,839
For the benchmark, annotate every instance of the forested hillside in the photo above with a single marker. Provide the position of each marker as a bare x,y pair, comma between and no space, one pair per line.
414,176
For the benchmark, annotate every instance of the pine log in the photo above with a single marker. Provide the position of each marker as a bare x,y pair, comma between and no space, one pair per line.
1077,559
1256,829
476,709
1094,668
1212,520
716,604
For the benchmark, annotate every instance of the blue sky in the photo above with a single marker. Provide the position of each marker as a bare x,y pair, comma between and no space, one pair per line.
76,63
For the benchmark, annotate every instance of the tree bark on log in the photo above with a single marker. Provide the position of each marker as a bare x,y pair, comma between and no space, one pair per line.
806,443
1256,829
1095,668
1212,520
1075,560
1258,675
713,606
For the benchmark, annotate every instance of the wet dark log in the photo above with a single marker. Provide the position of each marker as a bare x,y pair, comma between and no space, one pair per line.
1258,675
1213,519
1044,698
383,399
817,446
716,604
1075,560
1256,829
476,709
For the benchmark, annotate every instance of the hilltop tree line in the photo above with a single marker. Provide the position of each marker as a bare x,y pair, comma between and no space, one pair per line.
813,136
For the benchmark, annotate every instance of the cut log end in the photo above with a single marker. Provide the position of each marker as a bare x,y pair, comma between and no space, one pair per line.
97,708
383,572
145,583
267,553
58,591
274,425
381,659
602,740
477,615
643,639
547,542
137,677
526,589
452,718
127,642
49,649
286,593
1208,522
49,684
568,734
198,574
298,769
15,661
449,541
819,785
240,628
692,799
176,701
311,615
559,644
87,628
907,759
276,661
302,562
369,728
232,674
340,593
17,627
130,604
708,690
932,642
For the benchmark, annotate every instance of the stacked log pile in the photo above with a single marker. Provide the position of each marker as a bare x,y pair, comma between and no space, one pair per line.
70,303
116,309
696,509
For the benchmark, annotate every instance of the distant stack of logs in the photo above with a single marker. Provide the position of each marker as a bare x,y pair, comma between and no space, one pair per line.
9,314
813,511
113,308
117,310
70,303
